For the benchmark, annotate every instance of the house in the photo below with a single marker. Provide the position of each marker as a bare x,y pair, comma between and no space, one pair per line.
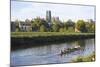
25,26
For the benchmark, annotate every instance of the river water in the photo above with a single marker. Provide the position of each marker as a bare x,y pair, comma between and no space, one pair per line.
49,54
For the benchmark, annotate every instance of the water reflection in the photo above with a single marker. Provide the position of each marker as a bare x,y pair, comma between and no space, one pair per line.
50,53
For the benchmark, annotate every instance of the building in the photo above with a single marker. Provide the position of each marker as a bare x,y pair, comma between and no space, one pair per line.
48,16
25,26
13,26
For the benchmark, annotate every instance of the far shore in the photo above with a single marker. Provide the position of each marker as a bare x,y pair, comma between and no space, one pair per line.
26,39
44,34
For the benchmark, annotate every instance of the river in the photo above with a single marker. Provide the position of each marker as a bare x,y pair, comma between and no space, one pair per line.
49,54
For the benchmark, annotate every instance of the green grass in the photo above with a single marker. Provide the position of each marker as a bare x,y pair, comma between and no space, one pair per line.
37,34
88,58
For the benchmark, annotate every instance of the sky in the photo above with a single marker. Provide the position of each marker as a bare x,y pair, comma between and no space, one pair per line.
30,10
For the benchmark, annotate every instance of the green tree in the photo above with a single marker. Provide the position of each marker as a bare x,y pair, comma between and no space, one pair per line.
90,26
37,22
17,30
17,23
61,30
42,28
70,23
69,26
80,25
55,27
93,27
32,21
34,27
65,26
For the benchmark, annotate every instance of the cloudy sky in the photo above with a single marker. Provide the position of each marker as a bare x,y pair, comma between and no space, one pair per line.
23,10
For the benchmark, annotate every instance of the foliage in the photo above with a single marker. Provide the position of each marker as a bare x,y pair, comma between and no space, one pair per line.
42,28
90,26
70,23
61,30
80,25
55,28
93,28
65,26
17,30
88,58
41,25
17,23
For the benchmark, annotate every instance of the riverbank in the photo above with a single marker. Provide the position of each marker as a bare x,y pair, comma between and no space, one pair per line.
37,34
28,39
89,58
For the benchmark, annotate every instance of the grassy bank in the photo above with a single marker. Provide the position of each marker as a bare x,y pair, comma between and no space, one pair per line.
38,34
88,58
29,39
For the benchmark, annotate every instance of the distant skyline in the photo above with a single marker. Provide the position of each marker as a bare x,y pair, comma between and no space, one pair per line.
30,10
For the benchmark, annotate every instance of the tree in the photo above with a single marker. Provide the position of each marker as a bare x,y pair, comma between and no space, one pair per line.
17,23
34,27
17,30
65,26
55,27
61,30
90,26
36,23
42,28
93,28
80,25
32,21
70,23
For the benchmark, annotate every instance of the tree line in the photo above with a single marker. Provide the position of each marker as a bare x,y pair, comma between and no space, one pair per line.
41,25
